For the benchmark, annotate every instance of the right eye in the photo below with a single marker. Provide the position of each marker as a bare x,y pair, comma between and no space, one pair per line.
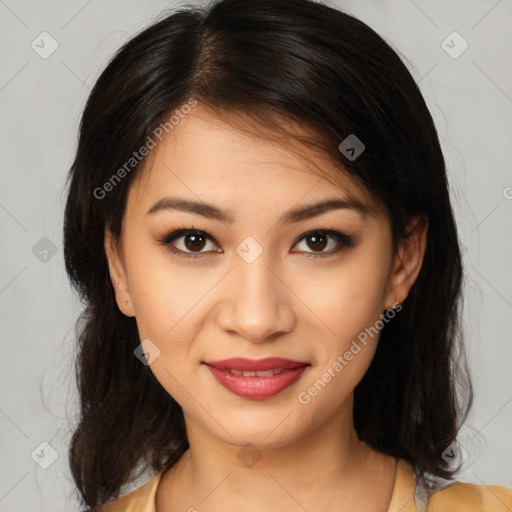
188,242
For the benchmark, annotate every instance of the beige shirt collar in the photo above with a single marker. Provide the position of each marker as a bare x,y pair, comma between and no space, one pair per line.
143,498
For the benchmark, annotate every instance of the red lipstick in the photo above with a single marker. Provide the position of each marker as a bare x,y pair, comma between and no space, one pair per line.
256,379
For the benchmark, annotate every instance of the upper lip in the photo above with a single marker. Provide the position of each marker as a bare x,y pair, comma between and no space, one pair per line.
269,363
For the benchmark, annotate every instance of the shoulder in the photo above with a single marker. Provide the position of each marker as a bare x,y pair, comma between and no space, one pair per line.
411,495
465,497
141,499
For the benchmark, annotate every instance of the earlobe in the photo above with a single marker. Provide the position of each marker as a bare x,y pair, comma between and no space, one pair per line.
117,273
408,261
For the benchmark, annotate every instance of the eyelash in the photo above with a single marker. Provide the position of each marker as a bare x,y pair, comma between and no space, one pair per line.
341,238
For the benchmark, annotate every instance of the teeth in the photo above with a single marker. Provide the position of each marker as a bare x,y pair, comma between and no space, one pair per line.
263,373
266,373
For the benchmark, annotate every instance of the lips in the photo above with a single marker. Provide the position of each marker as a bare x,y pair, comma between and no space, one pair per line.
253,365
256,379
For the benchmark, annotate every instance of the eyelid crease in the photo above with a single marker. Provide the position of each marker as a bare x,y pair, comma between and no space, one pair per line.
343,239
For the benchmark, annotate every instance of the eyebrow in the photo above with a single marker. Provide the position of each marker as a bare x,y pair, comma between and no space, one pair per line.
294,215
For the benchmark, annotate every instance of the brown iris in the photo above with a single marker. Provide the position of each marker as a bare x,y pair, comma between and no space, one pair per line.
194,241
318,241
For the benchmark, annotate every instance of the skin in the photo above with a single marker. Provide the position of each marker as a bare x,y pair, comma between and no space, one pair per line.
282,304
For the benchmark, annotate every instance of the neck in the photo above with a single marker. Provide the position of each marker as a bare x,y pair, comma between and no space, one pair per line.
316,471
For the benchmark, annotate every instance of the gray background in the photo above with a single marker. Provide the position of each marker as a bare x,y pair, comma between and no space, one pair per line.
41,100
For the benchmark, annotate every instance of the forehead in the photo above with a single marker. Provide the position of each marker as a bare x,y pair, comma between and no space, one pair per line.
207,155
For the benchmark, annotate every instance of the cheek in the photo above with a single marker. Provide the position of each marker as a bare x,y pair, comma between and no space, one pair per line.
169,304
349,308
163,294
347,300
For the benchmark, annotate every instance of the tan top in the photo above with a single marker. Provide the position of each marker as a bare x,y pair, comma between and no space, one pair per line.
455,497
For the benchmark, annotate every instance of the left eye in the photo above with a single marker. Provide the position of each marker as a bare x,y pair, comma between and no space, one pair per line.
319,240
190,243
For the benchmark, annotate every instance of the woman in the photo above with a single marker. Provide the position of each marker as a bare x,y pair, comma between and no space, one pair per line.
259,224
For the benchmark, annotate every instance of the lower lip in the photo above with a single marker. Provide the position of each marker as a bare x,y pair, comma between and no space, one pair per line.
257,388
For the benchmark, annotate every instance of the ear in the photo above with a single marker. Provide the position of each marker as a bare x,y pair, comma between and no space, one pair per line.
118,273
408,261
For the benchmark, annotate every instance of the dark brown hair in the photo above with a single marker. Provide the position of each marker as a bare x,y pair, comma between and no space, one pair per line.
272,59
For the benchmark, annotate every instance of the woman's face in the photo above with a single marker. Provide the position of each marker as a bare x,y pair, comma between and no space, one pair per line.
259,278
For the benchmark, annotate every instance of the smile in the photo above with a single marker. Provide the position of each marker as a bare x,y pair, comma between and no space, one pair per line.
256,379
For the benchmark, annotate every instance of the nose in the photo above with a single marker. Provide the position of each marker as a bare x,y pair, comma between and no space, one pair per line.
257,303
